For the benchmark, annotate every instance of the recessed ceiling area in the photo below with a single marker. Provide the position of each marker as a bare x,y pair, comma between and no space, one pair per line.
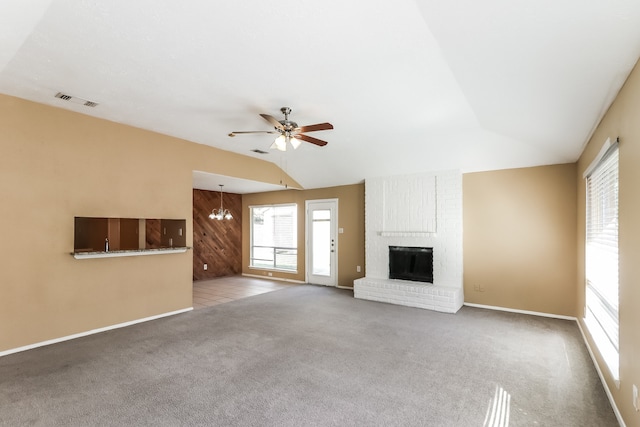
211,182
409,85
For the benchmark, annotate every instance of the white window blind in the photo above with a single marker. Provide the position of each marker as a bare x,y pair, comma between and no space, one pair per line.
601,263
274,237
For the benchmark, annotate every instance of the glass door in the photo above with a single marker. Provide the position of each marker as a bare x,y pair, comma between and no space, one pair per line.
322,247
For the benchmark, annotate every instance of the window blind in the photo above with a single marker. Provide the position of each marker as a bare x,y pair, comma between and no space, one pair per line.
601,261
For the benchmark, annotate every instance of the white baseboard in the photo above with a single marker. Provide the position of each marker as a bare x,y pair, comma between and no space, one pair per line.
91,332
344,287
513,310
272,278
599,371
616,411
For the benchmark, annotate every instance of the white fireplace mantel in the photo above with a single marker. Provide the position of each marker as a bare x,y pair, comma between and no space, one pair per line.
406,234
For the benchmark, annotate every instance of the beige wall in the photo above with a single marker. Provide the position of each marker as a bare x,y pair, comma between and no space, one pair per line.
350,218
623,121
55,165
520,238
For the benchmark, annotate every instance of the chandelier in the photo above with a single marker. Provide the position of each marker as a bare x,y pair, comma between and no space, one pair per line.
221,213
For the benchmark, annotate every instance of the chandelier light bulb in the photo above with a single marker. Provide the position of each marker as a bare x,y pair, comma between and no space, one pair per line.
221,213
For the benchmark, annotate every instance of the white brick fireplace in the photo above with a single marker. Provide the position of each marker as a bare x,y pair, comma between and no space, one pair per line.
423,210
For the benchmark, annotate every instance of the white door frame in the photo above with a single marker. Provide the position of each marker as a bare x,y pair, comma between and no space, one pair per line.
332,280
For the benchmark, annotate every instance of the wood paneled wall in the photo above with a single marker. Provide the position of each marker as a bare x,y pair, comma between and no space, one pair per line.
152,234
216,243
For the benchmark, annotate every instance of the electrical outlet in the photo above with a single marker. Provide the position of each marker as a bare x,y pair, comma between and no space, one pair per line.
269,274
206,266
358,269
636,403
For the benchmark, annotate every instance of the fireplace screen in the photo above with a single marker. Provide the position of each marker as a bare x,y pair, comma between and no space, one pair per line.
411,263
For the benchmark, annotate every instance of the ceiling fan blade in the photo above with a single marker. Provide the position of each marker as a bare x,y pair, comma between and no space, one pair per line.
272,120
234,133
311,139
313,128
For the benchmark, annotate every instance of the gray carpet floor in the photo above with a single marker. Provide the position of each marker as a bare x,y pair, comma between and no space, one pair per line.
312,356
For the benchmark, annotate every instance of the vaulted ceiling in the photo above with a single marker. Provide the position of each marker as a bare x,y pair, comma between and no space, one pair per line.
409,85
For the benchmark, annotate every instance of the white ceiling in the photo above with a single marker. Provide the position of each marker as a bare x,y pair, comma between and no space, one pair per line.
210,181
409,85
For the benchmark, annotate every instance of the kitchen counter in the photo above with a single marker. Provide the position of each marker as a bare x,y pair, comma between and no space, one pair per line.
128,252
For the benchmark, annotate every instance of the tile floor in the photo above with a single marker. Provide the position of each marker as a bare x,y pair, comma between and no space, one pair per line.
207,293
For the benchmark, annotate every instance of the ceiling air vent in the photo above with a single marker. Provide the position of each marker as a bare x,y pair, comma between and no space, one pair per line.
260,151
76,100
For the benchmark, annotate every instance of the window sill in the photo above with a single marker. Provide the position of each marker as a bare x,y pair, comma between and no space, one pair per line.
277,270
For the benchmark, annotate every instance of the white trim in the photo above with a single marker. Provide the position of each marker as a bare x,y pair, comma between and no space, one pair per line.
344,287
251,233
282,279
605,147
602,380
308,252
91,332
132,252
513,310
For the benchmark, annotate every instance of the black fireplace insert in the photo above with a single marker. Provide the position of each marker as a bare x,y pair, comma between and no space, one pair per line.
411,263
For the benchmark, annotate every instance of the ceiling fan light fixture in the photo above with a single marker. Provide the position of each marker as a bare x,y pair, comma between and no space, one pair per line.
288,131
280,143
295,142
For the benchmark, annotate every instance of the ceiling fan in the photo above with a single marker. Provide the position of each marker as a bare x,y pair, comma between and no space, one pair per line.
289,131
